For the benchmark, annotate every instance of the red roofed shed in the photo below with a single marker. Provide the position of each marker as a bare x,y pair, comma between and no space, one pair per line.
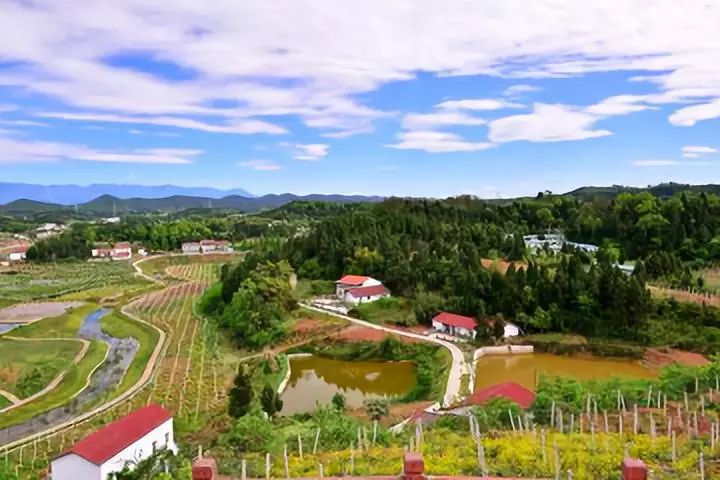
353,280
133,437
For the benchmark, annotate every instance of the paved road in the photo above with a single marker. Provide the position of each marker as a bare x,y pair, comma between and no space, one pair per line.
458,368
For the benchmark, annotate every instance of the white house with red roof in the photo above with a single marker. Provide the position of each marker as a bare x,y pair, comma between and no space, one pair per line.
357,289
453,324
15,253
215,246
121,443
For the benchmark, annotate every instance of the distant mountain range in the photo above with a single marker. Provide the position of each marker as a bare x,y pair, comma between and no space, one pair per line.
75,194
663,190
106,205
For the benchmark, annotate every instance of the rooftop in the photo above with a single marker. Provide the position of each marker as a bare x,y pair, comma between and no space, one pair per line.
107,442
353,279
455,320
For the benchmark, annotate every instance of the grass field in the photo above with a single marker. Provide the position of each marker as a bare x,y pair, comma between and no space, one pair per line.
52,280
4,402
26,368
119,326
393,310
74,381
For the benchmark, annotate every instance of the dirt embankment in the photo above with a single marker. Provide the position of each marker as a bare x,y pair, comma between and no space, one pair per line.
655,358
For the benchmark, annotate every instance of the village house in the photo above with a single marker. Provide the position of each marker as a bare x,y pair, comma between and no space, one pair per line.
453,324
121,443
215,246
191,247
120,251
365,294
353,281
49,230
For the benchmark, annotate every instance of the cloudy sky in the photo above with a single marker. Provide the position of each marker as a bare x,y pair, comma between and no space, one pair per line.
408,97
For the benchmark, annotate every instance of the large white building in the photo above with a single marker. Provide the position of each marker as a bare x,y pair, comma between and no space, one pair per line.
121,443
357,289
453,324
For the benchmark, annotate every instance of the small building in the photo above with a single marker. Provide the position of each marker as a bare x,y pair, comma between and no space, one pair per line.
215,246
349,282
511,330
453,324
191,247
17,253
516,393
121,443
49,230
360,295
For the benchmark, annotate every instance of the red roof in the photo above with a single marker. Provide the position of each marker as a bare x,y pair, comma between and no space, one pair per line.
455,320
368,291
353,280
17,249
107,442
120,254
510,390
214,242
122,245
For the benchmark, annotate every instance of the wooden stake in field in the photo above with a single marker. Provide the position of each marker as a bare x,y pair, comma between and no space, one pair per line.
512,422
652,427
481,456
687,404
695,423
300,449
317,439
285,462
322,473
607,425
649,396
674,448
621,417
352,462
552,414
669,425
572,422
557,461
542,445
267,466
635,419
375,425
701,461
243,470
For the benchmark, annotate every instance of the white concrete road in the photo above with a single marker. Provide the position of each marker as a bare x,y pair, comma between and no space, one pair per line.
458,368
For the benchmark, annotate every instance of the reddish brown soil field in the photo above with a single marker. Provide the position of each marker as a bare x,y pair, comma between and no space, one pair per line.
684,296
357,333
655,358
500,265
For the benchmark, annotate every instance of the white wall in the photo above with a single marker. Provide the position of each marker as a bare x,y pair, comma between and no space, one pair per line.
141,449
357,300
511,330
457,331
16,257
74,467
191,248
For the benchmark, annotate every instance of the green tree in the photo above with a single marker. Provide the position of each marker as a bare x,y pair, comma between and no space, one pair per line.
338,402
252,433
240,395
270,400
377,408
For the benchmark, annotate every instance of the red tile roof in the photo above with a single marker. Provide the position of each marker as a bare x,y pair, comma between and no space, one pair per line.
214,242
368,291
514,392
353,280
455,320
120,254
17,249
107,442
122,245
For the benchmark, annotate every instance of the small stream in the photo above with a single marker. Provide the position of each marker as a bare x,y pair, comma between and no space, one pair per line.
109,375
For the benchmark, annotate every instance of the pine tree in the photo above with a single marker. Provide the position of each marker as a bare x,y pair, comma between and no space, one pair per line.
241,394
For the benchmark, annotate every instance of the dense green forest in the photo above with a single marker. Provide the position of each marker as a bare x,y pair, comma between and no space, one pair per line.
431,252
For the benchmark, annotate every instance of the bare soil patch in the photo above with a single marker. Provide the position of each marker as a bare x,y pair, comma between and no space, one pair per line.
358,333
655,358
31,312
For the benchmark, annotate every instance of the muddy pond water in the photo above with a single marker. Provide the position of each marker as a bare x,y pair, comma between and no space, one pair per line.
526,369
315,380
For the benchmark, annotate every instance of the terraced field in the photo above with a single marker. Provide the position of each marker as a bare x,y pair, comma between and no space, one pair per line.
67,280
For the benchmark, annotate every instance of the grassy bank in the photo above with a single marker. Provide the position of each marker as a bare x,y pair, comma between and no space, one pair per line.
74,381
119,326
432,363
393,310
62,326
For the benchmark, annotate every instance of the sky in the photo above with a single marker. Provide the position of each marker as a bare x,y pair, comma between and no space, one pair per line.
493,98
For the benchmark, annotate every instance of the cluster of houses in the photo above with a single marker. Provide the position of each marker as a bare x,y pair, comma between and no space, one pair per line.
357,289
207,246
119,251
555,243
49,230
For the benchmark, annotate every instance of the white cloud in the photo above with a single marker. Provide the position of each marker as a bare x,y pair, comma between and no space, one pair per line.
696,151
429,121
689,116
14,150
518,90
482,104
311,151
260,165
670,163
546,123
437,142
23,123
315,69
245,127
619,105
5,107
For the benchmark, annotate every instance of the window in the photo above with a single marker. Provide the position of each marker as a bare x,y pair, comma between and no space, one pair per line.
167,439
154,444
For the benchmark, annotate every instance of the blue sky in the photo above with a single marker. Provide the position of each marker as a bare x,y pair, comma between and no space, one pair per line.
411,97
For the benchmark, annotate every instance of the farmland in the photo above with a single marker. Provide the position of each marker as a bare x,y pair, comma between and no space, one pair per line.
66,280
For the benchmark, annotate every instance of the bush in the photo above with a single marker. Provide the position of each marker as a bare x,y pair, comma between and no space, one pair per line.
252,433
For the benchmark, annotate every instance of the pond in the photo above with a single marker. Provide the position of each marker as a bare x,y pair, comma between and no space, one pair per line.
525,369
315,380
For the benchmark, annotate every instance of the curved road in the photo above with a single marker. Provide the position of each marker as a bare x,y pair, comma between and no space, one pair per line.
458,368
